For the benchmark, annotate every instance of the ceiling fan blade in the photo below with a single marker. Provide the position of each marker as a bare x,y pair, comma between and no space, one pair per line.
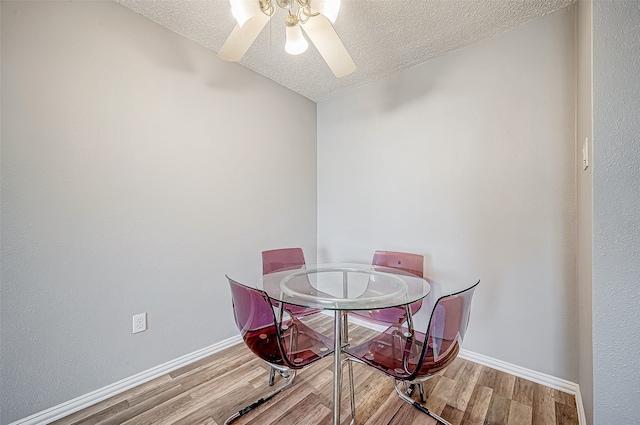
324,37
241,38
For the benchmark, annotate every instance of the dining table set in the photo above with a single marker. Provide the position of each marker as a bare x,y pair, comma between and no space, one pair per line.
389,291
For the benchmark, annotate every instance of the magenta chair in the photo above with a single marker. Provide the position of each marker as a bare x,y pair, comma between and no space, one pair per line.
276,260
405,263
413,357
402,263
286,347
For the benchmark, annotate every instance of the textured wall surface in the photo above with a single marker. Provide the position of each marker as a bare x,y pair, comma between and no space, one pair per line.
616,212
137,169
584,188
469,159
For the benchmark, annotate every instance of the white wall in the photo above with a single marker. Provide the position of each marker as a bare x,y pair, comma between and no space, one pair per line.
616,212
137,169
584,183
469,159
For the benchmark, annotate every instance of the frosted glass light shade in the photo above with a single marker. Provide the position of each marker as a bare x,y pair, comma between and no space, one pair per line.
329,8
243,10
296,43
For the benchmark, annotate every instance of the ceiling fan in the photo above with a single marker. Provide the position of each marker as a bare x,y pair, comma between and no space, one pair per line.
312,16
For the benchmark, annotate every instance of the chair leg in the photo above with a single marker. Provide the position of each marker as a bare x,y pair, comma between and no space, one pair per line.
272,376
288,381
412,387
409,391
417,405
352,394
421,390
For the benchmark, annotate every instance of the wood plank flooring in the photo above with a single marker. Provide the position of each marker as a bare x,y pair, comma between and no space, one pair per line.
212,389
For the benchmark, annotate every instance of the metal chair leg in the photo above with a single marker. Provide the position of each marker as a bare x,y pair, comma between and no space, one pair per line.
352,393
345,340
421,390
409,391
272,376
417,405
288,381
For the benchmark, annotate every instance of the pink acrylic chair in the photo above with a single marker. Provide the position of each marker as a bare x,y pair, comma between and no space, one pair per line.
276,260
412,357
286,347
405,263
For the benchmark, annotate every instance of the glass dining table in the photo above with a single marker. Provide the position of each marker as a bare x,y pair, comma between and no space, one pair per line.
341,288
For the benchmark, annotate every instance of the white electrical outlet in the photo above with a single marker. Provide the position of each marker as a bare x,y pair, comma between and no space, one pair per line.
139,322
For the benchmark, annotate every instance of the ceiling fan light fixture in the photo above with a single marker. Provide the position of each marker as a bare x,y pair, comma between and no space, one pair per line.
329,8
296,43
312,16
243,10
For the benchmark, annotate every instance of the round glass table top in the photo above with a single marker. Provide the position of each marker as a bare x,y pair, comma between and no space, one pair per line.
344,286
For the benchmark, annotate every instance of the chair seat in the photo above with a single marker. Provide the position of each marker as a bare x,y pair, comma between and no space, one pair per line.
302,344
386,316
398,356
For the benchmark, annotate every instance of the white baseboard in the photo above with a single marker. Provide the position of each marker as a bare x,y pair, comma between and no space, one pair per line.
84,401
531,375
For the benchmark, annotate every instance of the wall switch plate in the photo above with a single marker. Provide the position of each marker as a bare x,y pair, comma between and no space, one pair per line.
139,322
585,154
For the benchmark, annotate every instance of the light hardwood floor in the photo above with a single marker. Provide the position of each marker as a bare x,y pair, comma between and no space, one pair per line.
212,389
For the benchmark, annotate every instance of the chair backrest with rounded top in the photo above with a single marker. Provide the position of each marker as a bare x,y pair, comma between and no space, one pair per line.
447,329
426,354
257,323
411,263
403,261
282,259
276,260
291,344
421,355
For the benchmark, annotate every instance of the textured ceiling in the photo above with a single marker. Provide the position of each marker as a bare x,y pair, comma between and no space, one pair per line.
382,36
